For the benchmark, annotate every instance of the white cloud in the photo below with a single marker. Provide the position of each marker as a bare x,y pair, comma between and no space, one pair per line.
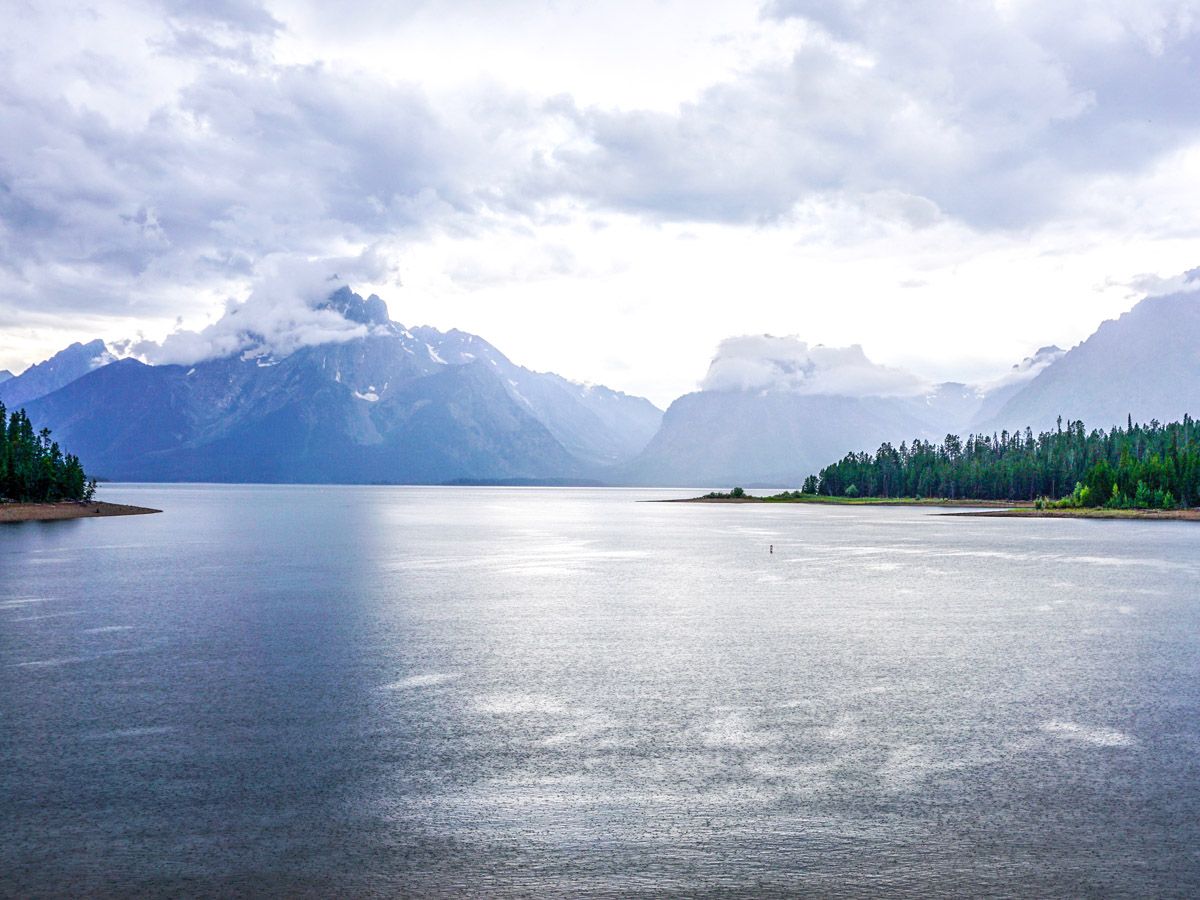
1150,285
768,363
1026,370
282,313
575,181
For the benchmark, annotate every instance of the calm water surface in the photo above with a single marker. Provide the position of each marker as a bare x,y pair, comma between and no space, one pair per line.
367,691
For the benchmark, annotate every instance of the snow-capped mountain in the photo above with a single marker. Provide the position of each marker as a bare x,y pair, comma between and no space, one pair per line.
395,405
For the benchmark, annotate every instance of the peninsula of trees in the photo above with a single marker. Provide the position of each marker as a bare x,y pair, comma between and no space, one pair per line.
1152,466
1147,470
33,469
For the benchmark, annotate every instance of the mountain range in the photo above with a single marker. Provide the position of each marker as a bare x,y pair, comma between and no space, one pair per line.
400,405
1144,365
395,405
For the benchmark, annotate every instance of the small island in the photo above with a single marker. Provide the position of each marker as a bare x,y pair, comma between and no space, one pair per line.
39,483
1138,472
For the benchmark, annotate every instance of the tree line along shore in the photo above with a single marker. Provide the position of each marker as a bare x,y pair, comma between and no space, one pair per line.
1125,472
33,469
1117,473
39,482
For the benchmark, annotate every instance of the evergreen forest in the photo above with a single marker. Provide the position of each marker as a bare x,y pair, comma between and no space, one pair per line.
1139,466
32,467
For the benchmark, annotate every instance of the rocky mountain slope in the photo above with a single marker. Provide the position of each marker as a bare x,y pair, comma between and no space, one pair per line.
396,405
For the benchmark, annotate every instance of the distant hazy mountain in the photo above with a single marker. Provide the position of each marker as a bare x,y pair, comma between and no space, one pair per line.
993,396
948,408
397,406
1146,364
723,438
596,424
5,375
776,410
59,370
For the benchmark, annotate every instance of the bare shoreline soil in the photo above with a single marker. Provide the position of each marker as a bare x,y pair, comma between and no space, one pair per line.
1021,509
1186,515
832,501
46,512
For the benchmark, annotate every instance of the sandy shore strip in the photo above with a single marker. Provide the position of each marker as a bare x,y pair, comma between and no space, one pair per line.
846,501
1187,515
46,512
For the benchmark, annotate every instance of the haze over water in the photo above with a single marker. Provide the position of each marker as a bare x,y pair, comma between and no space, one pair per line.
370,690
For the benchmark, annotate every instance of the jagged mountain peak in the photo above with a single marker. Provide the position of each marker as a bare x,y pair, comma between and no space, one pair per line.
1145,364
370,311
59,370
357,403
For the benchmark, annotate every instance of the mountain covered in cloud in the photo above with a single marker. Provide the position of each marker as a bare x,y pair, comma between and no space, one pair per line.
326,387
722,438
991,396
957,408
774,410
377,402
766,362
1144,365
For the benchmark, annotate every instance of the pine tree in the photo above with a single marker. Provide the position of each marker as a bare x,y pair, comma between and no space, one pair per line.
33,468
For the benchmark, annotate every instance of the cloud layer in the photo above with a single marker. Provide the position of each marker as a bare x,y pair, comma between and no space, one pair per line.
1026,370
281,314
157,155
768,363
995,114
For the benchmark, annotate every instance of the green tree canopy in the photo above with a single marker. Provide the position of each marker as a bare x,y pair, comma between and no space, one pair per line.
1149,466
33,469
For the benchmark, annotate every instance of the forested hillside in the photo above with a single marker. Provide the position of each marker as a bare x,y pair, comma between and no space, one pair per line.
1151,465
33,469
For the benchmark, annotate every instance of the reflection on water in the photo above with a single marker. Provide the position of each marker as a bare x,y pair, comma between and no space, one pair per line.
312,690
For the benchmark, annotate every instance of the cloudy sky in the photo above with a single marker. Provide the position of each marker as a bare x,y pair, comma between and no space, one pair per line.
605,190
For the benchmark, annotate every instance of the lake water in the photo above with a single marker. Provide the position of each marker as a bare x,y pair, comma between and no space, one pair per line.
372,690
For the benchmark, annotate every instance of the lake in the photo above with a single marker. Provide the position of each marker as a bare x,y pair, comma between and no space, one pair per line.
293,691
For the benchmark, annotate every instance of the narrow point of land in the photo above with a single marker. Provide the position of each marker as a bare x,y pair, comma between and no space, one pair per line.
858,501
1189,515
1024,509
70,509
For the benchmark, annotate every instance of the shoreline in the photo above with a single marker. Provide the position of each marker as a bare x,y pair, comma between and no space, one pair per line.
1191,514
1017,509
70,509
1000,505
